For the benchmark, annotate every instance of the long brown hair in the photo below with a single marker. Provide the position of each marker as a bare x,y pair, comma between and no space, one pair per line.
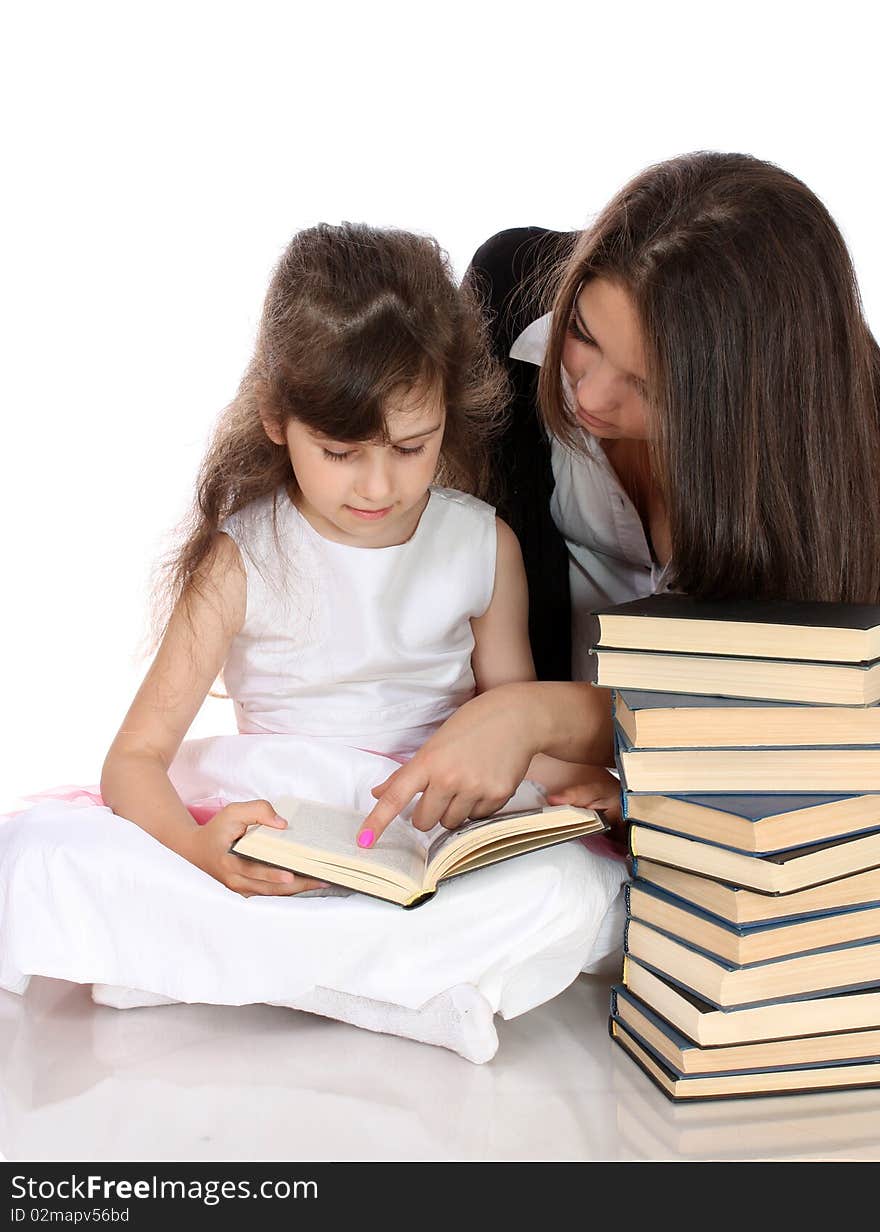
353,315
763,377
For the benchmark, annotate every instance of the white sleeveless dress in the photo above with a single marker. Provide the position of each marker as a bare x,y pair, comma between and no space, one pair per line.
348,659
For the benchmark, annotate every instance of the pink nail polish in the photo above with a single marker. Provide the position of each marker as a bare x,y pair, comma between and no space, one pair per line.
365,838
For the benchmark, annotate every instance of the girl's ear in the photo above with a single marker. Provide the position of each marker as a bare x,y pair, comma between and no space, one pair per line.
273,428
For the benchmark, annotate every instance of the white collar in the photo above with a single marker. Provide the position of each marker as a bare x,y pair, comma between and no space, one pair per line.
531,345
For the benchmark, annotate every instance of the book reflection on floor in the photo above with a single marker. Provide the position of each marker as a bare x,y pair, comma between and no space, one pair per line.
823,1126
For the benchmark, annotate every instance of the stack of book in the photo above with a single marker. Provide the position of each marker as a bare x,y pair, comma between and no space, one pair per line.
748,748
740,1129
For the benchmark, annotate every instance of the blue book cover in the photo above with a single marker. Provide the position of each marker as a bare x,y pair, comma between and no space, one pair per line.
826,751
646,699
725,985
755,823
818,682
750,806
686,1057
753,944
842,769
771,873
857,666
744,909
691,1088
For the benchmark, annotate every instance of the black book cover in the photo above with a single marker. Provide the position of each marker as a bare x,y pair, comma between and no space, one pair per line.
748,611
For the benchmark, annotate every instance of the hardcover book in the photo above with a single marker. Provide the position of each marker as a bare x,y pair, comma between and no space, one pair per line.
758,824
824,770
406,866
838,632
711,1027
740,907
784,680
683,1055
852,965
756,943
678,1086
686,720
779,873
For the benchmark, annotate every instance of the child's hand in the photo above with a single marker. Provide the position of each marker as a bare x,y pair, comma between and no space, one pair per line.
208,848
600,791
470,767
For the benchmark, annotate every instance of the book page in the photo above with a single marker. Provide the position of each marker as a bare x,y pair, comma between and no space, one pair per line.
321,830
446,837
515,845
534,827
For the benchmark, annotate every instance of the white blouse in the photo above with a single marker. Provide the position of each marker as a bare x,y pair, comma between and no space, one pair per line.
609,560
369,647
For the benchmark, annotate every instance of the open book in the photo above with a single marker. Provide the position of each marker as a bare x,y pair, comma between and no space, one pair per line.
406,866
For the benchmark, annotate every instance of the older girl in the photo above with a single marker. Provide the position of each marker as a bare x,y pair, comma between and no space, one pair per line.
709,391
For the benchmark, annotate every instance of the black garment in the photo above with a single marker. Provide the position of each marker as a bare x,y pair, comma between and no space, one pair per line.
504,273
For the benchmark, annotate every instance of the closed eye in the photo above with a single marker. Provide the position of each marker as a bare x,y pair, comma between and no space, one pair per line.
576,332
344,455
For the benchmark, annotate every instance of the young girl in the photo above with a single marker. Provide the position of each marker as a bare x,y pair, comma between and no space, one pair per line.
352,606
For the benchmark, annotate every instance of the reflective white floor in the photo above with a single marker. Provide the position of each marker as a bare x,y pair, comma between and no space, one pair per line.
194,1082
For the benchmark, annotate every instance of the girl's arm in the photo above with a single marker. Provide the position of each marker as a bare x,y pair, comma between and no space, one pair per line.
477,759
501,651
134,779
502,654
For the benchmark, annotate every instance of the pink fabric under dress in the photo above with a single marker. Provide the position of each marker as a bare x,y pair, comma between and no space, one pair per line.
348,659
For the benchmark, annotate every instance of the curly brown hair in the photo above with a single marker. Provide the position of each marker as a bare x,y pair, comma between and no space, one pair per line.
353,315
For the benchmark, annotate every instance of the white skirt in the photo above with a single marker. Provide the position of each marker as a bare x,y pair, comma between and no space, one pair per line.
89,897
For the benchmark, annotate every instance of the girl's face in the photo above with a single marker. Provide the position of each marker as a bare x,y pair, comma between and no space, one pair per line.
604,359
365,493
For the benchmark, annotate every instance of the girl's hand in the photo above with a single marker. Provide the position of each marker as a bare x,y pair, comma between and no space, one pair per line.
470,767
208,848
600,791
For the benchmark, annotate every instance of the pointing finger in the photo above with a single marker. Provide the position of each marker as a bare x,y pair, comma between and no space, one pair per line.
397,792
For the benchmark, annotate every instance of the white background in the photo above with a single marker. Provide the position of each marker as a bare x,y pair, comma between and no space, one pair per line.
159,156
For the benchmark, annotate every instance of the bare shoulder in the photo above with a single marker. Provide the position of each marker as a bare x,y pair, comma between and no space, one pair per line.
224,559
220,584
501,637
510,574
509,551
